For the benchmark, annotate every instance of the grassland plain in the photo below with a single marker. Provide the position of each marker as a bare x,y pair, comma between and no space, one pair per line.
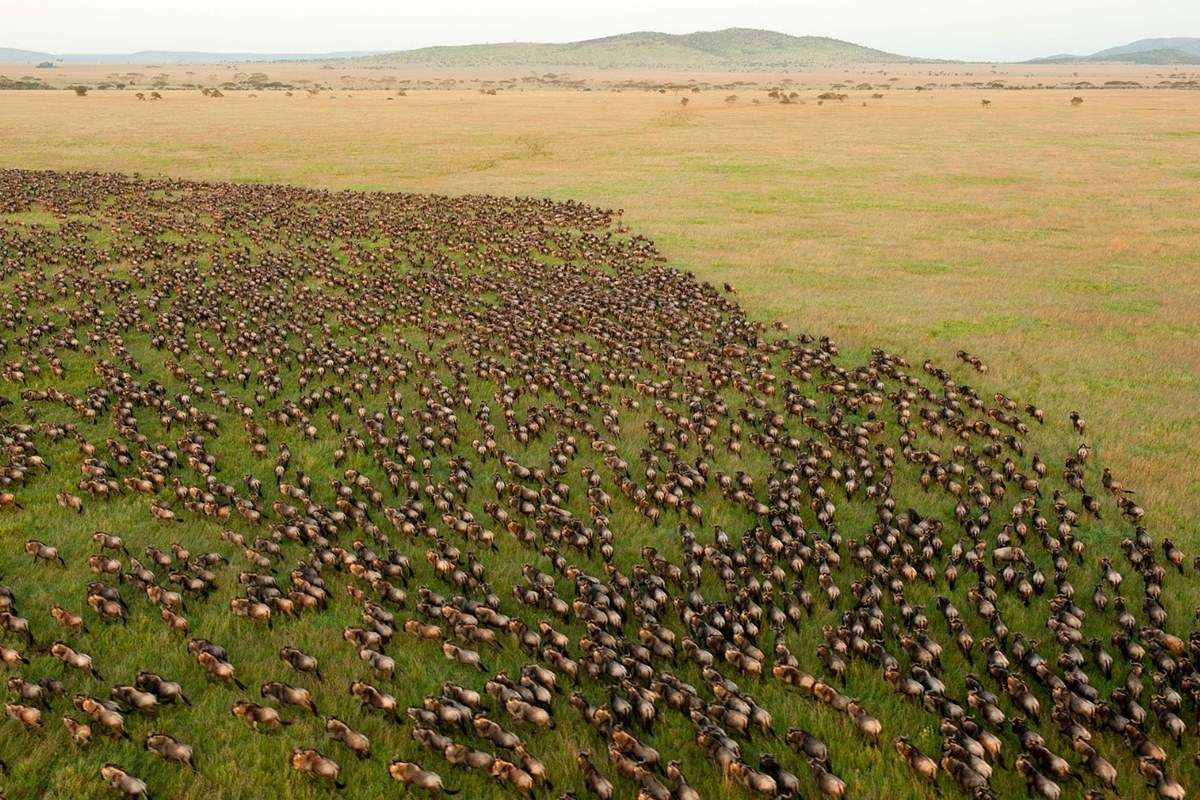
358,75
1059,243
234,763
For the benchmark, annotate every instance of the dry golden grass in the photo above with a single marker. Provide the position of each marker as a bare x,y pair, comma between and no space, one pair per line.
347,75
1058,243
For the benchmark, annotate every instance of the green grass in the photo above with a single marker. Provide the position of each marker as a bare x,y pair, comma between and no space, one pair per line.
823,202
924,267
235,763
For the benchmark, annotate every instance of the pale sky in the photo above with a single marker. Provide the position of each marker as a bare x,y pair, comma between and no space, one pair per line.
967,29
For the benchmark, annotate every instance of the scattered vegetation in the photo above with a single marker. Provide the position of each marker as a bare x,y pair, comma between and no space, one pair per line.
23,83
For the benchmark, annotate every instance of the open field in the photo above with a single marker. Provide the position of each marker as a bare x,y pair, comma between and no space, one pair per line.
363,76
1057,243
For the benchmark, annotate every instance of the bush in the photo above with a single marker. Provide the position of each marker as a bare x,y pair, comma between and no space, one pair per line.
80,91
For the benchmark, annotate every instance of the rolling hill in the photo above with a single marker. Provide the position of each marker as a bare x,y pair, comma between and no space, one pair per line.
730,49
1174,50
13,55
1184,44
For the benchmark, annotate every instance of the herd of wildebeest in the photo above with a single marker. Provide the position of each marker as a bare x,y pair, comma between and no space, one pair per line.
476,382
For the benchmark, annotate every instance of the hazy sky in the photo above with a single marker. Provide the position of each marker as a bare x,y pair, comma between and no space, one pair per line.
968,29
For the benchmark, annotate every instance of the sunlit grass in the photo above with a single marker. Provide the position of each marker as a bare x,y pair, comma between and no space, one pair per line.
1059,244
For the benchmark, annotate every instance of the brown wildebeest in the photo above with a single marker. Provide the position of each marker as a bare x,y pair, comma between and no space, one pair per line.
309,761
411,774
123,783
171,749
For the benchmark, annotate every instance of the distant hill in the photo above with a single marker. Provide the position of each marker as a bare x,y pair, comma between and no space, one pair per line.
1183,44
11,55
1176,50
740,49
730,49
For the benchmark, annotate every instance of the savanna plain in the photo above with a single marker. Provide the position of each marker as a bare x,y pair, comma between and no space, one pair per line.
1055,243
